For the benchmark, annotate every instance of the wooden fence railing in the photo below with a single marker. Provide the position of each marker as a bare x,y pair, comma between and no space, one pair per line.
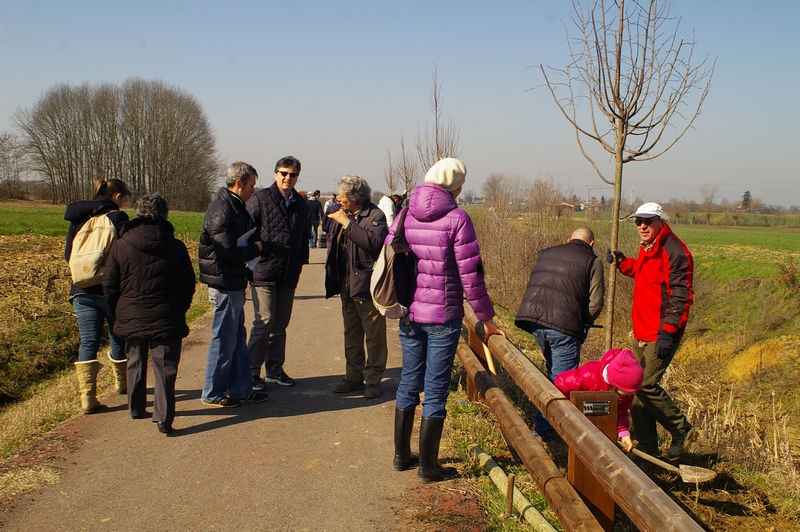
647,506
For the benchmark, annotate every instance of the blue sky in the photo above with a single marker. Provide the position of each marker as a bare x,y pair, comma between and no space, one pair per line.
335,84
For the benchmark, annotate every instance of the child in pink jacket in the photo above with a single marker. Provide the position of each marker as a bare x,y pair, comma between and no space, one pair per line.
617,370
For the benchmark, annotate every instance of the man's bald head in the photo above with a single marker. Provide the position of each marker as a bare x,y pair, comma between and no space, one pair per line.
583,233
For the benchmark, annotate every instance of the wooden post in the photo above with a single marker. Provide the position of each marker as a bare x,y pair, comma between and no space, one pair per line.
476,344
510,496
601,409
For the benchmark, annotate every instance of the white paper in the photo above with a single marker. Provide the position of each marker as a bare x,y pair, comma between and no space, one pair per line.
242,241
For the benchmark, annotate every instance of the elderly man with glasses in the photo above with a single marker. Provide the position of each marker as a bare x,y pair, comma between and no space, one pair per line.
283,223
662,295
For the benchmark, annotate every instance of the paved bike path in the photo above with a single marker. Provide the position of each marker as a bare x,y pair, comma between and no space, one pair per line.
307,459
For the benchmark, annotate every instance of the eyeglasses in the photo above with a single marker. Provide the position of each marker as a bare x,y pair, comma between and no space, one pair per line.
645,221
292,175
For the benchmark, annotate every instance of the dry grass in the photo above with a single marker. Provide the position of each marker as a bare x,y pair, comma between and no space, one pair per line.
50,404
35,277
26,479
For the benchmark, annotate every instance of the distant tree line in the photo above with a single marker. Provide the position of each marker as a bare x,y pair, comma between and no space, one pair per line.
12,165
153,136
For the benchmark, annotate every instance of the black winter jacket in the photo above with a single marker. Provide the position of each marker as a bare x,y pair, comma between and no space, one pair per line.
284,234
222,261
565,290
363,238
77,214
149,282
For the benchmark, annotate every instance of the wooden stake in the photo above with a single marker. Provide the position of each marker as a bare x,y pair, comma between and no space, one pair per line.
510,496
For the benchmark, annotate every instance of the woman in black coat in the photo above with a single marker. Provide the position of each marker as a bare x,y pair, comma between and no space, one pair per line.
149,283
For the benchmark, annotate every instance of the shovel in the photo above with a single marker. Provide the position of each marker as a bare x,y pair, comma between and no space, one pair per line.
688,474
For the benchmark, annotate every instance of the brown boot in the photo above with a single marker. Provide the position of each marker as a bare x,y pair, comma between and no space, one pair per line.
87,384
119,368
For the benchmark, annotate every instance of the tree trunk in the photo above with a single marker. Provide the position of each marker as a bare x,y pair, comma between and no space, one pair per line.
612,273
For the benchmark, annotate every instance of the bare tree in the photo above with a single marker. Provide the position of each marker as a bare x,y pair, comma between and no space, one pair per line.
708,193
469,196
406,169
637,76
544,195
389,174
443,140
153,136
12,165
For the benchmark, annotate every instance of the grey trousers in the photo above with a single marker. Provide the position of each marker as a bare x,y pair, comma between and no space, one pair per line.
272,310
166,354
363,322
652,403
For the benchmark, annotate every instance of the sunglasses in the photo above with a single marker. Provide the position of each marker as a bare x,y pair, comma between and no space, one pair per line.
292,175
645,221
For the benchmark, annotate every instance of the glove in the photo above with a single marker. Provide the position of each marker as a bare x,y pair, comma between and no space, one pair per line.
664,344
614,258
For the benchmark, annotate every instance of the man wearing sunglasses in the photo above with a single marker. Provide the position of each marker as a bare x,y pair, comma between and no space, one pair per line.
282,219
662,295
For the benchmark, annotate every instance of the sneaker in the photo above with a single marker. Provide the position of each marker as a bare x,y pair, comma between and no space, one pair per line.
256,397
346,386
373,391
222,402
258,384
283,379
679,444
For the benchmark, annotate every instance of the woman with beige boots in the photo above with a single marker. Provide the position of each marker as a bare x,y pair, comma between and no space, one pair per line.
86,292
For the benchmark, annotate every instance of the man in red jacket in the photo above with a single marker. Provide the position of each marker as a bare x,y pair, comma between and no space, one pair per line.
662,295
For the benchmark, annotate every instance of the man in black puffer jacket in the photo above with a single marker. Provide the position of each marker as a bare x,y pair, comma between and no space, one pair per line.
223,251
564,297
283,225
149,283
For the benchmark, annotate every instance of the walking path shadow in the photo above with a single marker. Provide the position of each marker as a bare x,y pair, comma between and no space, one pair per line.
306,459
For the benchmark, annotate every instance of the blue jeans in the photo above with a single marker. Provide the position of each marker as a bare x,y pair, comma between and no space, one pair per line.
314,227
91,311
428,354
228,366
562,352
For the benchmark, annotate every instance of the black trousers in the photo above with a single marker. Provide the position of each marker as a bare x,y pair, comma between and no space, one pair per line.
166,354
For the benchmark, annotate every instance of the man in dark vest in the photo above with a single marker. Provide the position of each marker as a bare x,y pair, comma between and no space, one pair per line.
564,297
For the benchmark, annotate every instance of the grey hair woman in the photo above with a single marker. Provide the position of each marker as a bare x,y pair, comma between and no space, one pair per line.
355,189
149,283
152,206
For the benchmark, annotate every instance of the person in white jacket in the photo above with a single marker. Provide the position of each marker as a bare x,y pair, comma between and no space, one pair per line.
390,205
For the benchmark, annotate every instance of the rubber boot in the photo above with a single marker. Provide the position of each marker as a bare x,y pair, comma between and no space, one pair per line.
403,425
120,368
87,384
430,434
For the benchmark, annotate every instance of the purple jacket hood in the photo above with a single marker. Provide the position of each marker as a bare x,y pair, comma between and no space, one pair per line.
444,240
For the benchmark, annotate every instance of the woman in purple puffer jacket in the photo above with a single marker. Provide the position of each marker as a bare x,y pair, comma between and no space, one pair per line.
443,239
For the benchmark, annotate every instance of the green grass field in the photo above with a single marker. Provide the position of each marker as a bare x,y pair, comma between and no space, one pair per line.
49,220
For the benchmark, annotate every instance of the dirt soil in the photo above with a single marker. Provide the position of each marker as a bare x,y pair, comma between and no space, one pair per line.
307,459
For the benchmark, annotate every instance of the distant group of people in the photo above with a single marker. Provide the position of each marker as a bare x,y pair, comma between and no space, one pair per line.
262,239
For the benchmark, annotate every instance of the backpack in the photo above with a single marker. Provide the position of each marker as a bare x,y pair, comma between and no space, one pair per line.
394,276
90,247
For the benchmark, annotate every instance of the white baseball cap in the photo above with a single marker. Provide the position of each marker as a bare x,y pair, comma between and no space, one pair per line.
649,210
